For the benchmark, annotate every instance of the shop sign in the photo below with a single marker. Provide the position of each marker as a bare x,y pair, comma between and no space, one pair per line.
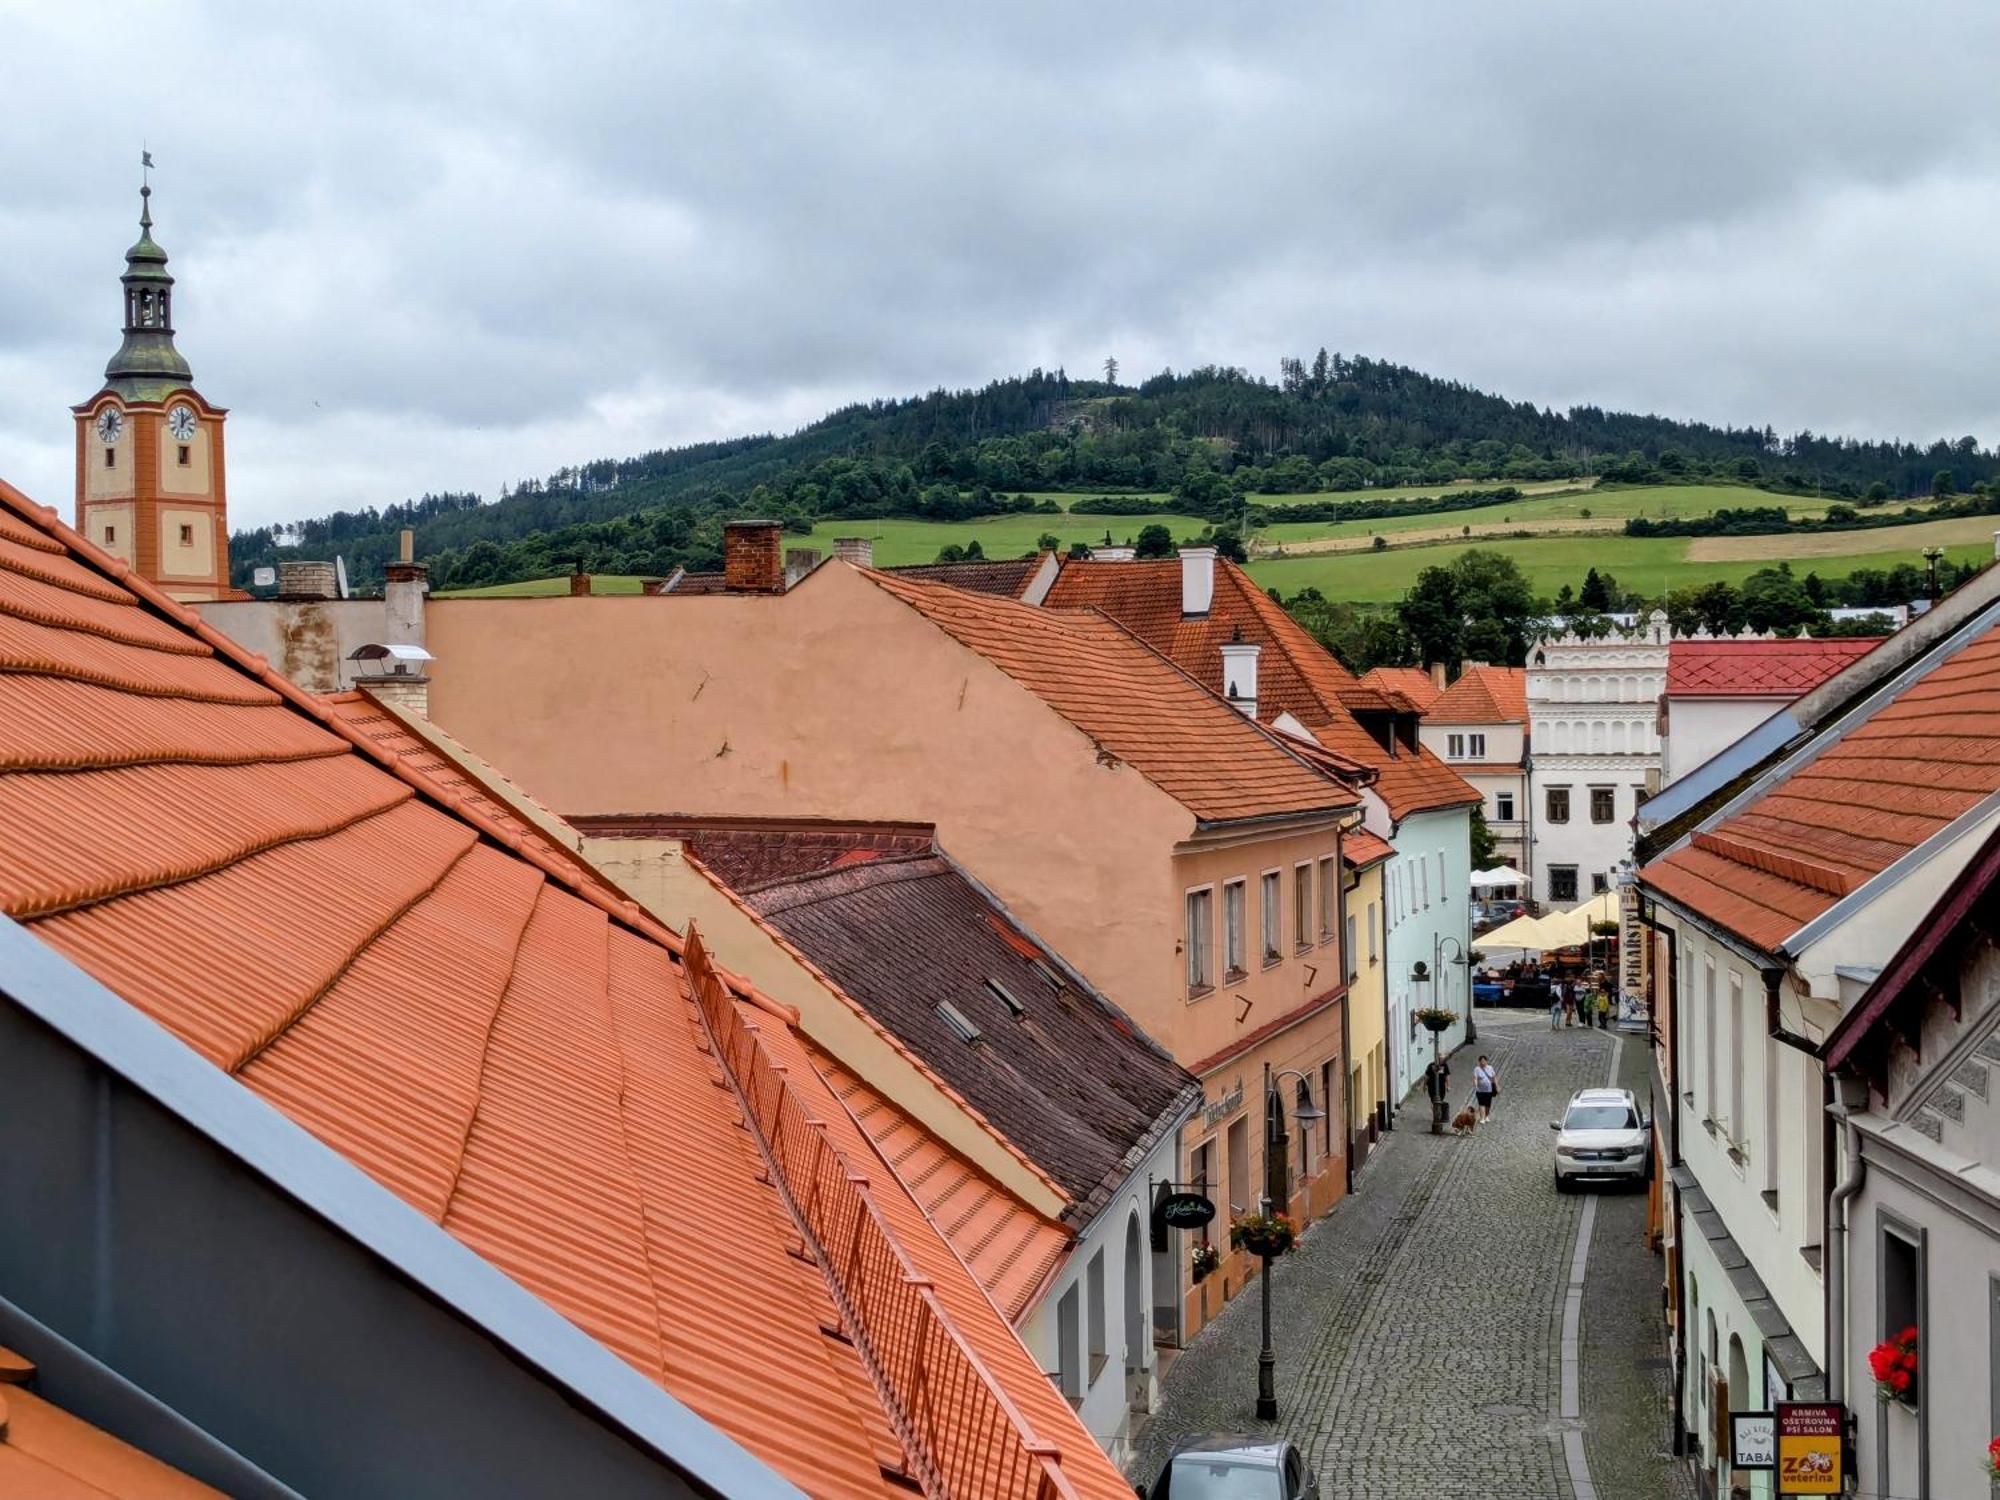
1224,1106
1812,1440
1753,1439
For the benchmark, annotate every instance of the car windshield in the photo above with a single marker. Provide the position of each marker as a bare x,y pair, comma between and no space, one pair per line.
1600,1117
1198,1476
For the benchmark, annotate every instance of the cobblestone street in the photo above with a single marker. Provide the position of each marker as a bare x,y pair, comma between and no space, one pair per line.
1419,1327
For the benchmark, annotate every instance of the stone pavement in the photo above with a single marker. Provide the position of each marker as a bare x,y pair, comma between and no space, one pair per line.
1418,1328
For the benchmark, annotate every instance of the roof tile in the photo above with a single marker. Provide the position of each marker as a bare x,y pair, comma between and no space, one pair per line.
1483,695
1784,667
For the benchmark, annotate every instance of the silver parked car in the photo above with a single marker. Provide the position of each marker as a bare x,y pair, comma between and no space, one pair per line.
1236,1468
1601,1137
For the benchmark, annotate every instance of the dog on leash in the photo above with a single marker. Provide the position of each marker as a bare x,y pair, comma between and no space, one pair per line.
1465,1121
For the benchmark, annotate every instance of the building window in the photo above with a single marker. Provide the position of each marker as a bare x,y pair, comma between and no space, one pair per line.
1201,938
1302,906
1201,1176
1599,883
183,453
1371,932
1274,919
1475,746
1454,746
1558,804
1424,884
110,458
110,536
1640,797
1069,1347
1772,1115
1326,1078
1444,886
1562,882
1099,1344
1503,807
1902,1290
1603,804
1708,1039
187,536
1352,954
1737,1057
1241,1198
1329,890
1233,896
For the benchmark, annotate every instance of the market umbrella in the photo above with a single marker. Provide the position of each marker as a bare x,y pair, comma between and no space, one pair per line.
1486,880
1529,933
1571,929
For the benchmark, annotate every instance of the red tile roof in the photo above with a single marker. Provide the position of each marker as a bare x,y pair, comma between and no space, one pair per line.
1136,705
1784,668
1012,1249
1483,695
1295,673
1413,683
1007,579
47,1453
478,1025
1884,787
1359,849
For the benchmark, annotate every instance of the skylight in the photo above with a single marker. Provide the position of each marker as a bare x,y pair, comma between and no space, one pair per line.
1006,997
958,1021
1049,975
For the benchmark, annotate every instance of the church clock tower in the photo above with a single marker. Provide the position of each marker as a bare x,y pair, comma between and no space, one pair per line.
149,469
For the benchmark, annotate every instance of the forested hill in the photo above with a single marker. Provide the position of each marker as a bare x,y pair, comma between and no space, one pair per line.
1205,437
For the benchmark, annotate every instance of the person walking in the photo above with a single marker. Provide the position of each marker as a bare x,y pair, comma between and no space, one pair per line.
1555,1007
1437,1084
1485,1087
1569,1002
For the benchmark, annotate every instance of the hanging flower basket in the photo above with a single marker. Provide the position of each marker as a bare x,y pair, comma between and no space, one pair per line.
1435,1018
1893,1363
1993,1459
1203,1262
1263,1234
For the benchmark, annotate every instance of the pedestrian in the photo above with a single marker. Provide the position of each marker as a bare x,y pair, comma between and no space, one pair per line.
1604,1009
1437,1084
1569,1002
1485,1088
1555,1007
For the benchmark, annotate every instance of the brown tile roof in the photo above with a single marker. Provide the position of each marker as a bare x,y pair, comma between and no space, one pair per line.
1012,1249
1136,705
1414,683
1698,668
1359,848
1295,673
698,583
750,853
1483,695
472,1021
47,1453
1006,579
1885,786
1068,1080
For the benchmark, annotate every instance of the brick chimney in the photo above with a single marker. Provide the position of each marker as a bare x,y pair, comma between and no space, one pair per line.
652,588
307,580
858,550
1437,676
751,559
1197,581
579,585
799,561
1239,673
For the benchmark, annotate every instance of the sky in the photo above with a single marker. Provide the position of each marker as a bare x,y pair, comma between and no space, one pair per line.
425,247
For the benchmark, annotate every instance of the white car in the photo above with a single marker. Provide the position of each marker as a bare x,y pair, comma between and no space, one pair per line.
1601,1137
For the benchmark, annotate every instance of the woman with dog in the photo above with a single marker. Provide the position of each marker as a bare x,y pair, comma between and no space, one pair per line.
1485,1084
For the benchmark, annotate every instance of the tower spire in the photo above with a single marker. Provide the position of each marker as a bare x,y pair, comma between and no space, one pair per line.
147,364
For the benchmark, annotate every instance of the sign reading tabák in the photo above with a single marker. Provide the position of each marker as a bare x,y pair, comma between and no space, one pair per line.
1811,1447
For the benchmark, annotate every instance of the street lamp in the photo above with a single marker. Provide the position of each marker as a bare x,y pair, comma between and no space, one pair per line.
1459,958
1277,1169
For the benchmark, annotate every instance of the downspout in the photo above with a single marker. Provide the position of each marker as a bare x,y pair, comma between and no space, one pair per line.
1388,1042
1346,1067
1773,1024
1836,1236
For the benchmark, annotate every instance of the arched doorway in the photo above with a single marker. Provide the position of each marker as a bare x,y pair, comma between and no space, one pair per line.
1138,1338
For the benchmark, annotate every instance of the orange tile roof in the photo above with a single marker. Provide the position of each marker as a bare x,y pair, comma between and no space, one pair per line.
1885,786
1007,578
1413,683
47,1453
1359,849
1295,673
1133,702
468,1017
1483,695
1012,1249
1790,667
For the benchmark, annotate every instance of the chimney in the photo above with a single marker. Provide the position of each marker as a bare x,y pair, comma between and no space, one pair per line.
799,561
652,588
406,549
404,585
1197,582
1437,676
750,560
1239,673
306,580
579,585
858,550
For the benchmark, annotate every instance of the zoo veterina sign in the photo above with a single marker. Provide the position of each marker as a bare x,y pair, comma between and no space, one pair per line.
1811,1438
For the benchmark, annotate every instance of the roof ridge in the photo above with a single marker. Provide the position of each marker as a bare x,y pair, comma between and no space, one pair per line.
893,867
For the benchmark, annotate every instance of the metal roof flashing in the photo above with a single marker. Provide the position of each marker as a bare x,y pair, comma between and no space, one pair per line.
145,1055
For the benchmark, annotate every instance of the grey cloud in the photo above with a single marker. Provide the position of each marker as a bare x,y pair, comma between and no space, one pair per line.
437,246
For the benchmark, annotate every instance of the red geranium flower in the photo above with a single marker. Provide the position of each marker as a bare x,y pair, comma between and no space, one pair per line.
1900,1379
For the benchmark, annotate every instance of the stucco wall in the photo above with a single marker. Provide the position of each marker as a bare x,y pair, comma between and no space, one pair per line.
1427,903
1367,999
1698,728
308,642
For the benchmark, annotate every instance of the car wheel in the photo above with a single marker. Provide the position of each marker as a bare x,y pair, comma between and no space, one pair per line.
1563,1184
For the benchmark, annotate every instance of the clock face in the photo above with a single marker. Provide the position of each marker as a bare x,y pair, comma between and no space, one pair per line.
110,423
180,422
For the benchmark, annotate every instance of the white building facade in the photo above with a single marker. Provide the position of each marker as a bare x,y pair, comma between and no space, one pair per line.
1429,919
1478,726
1594,754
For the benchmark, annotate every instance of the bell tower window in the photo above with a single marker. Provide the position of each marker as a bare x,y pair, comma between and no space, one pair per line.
183,450
110,457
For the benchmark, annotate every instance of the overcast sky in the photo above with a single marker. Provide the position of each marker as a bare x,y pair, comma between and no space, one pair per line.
423,249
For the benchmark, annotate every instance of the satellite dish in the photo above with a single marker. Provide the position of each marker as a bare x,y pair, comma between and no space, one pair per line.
340,576
264,578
